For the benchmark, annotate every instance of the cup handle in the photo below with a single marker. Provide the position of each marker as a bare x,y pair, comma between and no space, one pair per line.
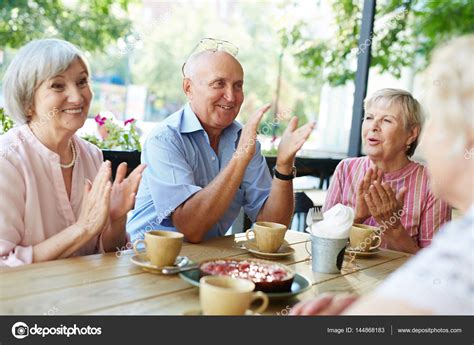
135,245
247,233
260,295
379,239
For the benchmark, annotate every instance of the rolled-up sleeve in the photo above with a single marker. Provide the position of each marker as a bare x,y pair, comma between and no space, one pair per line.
257,183
12,210
169,176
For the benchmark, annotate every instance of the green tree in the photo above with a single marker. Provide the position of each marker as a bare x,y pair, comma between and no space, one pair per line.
405,33
90,24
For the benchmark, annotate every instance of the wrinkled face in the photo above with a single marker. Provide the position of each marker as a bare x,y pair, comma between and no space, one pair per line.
215,89
383,133
63,101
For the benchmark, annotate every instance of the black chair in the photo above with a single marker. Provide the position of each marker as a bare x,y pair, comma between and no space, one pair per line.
116,157
302,206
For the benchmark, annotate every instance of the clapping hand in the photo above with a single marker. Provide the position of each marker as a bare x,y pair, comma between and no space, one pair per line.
292,140
383,204
95,201
362,211
122,198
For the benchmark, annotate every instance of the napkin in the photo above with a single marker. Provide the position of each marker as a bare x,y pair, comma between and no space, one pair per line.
336,223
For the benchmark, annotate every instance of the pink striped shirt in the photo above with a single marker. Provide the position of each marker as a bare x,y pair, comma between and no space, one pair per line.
423,213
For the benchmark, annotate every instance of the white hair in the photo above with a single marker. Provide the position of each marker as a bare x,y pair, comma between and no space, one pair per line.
36,62
450,94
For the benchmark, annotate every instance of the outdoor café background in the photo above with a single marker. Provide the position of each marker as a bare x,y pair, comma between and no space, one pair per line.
301,55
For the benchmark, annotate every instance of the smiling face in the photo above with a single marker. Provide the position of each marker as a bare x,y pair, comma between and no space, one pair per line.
214,88
384,135
63,101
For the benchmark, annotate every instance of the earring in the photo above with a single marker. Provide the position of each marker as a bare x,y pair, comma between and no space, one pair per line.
408,146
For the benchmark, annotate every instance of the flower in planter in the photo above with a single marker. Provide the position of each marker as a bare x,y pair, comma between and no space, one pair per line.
114,136
100,120
130,120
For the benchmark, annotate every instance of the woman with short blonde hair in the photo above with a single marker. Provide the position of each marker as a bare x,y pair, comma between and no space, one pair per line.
385,188
410,109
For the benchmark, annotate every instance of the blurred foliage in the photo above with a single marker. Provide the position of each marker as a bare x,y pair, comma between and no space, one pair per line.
6,123
156,55
272,152
90,24
405,33
146,43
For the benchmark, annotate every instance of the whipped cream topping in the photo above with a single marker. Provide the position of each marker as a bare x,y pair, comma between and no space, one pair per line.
336,223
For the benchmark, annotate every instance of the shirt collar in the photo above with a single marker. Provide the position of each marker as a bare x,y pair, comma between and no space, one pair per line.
190,123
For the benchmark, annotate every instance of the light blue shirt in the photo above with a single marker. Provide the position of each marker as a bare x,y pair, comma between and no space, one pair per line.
180,162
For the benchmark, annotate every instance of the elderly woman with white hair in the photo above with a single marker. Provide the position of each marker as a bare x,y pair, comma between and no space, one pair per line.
439,279
50,209
386,188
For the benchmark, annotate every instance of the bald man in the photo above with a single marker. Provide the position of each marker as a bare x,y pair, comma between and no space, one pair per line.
203,166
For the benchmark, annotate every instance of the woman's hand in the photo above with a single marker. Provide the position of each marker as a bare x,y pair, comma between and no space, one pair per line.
324,305
387,209
122,198
383,205
362,211
95,202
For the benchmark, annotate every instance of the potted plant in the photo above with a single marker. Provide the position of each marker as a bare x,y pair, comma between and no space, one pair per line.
119,143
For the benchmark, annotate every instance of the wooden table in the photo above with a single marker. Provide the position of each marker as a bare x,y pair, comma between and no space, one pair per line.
107,284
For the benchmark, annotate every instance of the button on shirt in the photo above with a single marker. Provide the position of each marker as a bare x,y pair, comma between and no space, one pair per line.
180,162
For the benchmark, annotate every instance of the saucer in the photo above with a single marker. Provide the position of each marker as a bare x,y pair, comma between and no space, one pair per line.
198,312
283,251
142,261
375,251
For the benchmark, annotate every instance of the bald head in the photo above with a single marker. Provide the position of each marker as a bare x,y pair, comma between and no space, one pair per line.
206,60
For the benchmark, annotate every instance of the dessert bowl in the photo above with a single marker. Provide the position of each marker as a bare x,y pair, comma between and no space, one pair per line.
268,276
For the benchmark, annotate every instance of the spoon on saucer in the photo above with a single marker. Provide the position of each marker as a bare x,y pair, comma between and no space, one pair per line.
174,269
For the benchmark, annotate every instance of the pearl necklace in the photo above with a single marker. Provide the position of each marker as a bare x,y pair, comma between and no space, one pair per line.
71,164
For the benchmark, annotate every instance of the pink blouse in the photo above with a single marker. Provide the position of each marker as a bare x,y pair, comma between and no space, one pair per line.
34,204
423,213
